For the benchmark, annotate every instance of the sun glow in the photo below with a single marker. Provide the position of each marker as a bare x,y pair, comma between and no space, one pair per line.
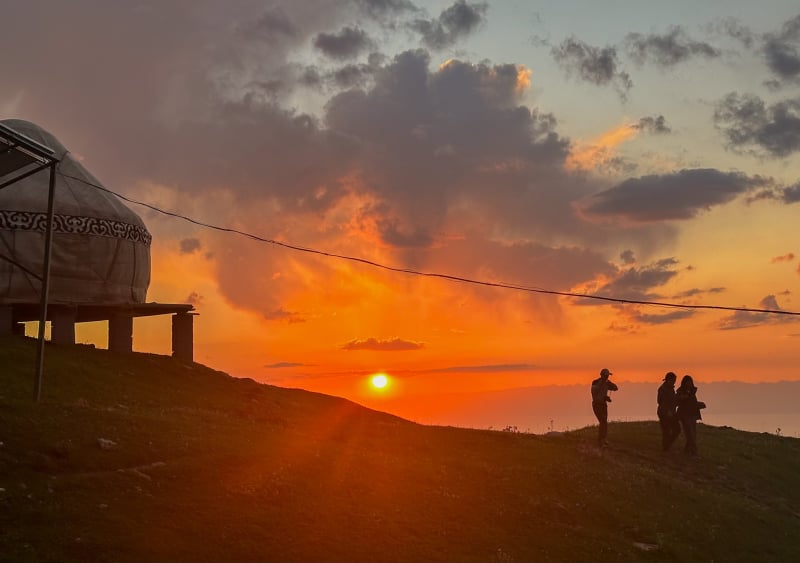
379,381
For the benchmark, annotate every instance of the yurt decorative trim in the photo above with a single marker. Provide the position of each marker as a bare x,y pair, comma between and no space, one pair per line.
74,224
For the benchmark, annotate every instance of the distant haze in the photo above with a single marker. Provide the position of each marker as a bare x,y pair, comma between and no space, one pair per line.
759,407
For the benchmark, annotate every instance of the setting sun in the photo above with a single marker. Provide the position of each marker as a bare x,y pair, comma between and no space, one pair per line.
379,381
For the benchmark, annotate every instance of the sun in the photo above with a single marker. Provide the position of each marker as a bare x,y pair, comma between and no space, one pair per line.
379,381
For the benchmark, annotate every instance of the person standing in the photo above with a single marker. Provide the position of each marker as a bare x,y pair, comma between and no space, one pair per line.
600,399
667,415
689,412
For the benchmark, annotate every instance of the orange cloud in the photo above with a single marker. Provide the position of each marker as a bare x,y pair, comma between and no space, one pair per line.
392,345
523,79
785,258
588,156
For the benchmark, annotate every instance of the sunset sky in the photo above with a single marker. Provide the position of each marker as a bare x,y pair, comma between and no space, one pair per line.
635,150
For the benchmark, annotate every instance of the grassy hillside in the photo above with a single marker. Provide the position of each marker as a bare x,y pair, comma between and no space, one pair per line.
206,467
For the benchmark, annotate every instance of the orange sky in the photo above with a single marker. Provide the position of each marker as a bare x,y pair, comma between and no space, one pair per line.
645,153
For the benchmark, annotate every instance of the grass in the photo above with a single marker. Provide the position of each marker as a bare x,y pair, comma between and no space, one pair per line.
207,467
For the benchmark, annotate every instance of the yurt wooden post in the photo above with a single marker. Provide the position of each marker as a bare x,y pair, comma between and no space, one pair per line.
48,243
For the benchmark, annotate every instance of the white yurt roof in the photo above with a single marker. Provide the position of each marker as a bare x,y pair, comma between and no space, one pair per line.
101,249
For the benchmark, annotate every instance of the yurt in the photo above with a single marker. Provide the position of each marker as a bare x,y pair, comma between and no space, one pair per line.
100,250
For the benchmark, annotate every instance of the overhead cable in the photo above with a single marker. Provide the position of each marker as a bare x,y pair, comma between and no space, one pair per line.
430,274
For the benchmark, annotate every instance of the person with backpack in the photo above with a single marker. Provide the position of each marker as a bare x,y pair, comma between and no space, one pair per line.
667,415
600,399
689,412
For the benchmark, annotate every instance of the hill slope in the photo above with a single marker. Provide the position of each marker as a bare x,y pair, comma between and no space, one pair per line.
140,458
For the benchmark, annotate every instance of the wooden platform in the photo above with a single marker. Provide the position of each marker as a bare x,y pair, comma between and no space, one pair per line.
119,316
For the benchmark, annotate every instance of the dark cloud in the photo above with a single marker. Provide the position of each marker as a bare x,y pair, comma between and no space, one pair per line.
395,234
521,263
350,76
782,51
194,298
463,130
748,319
791,194
203,109
680,195
628,257
784,258
667,49
788,195
348,43
642,284
735,29
592,64
454,23
382,9
272,26
657,125
749,125
281,365
283,315
310,77
378,345
190,245
663,318
694,292
638,283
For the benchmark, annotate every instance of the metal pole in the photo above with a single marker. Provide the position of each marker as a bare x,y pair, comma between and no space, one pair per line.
48,243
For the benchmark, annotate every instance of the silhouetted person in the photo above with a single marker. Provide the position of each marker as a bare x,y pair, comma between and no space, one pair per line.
667,415
689,412
600,399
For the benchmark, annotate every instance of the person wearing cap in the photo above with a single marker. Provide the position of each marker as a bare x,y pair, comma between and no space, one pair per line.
667,406
600,399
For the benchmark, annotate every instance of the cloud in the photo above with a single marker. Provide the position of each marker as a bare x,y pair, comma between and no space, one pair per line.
656,125
791,194
734,28
675,196
454,23
190,245
628,257
352,75
377,345
348,43
638,283
782,51
749,125
667,49
663,318
281,365
523,263
592,64
694,292
784,258
500,368
414,164
383,9
748,319
642,284
283,315
273,26
600,153
463,129
194,298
